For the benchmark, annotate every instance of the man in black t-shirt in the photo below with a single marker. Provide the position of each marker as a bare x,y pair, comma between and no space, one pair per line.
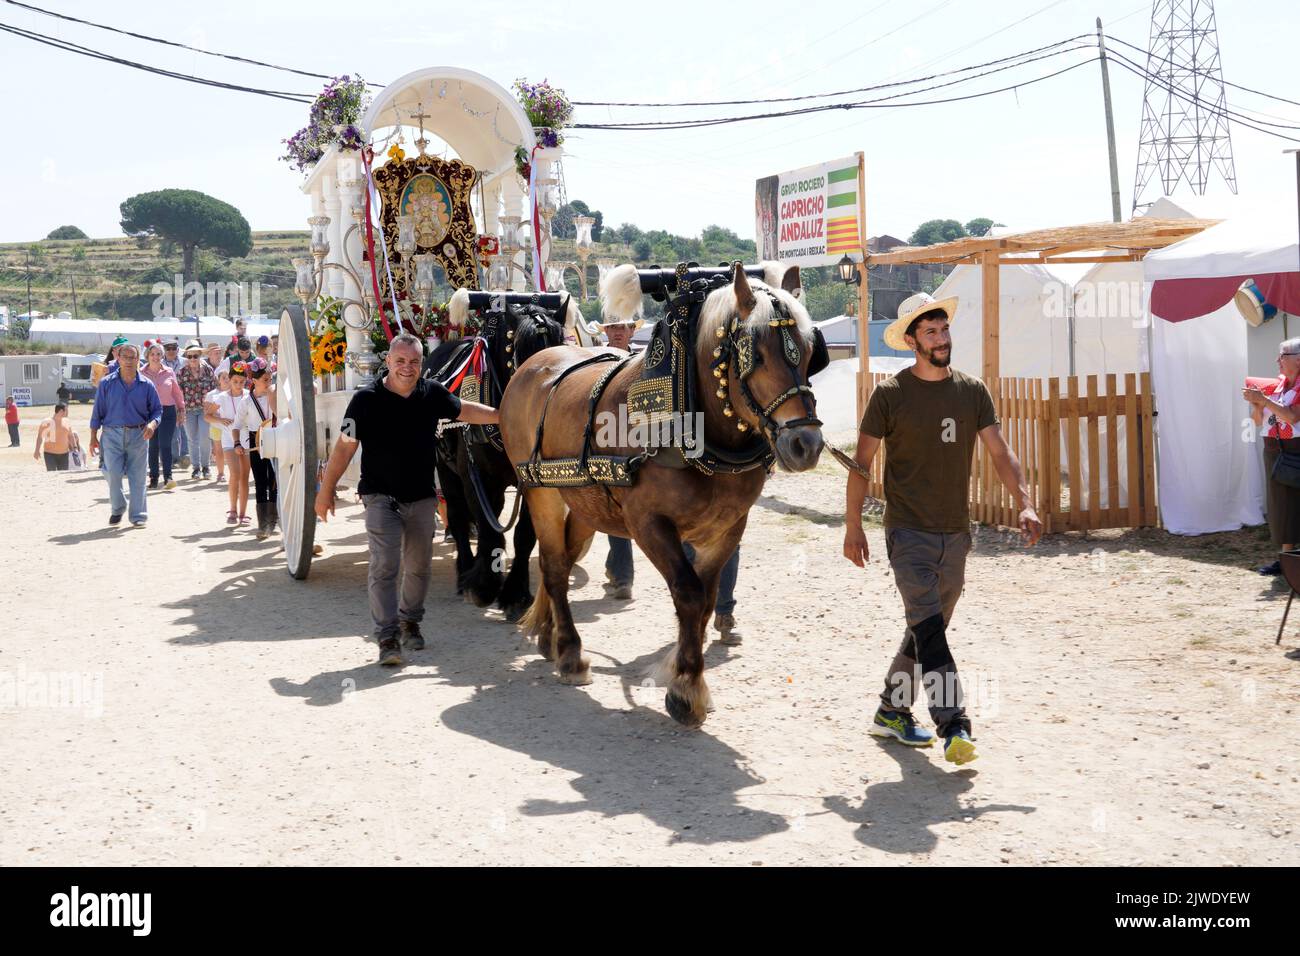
395,422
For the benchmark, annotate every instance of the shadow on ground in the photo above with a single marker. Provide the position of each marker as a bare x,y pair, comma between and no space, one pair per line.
898,816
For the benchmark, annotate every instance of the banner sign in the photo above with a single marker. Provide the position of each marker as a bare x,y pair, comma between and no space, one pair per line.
809,216
22,395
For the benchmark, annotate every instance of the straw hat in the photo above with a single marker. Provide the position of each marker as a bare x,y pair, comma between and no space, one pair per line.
909,309
193,346
636,323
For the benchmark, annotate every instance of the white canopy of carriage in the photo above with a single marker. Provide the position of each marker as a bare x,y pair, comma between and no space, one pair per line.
462,113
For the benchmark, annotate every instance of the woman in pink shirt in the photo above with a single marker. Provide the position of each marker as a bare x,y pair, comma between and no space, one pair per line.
173,407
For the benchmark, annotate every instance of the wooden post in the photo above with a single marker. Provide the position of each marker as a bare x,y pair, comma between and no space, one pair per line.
864,308
992,297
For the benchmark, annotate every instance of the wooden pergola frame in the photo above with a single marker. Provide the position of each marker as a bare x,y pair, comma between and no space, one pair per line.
1088,243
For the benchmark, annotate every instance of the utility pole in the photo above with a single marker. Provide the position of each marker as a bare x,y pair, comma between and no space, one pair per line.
72,277
1115,213
28,253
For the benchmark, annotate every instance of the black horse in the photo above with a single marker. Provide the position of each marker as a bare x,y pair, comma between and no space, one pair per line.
473,469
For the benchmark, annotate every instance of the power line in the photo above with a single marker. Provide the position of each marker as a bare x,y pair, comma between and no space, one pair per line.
880,103
1281,99
1235,117
70,47
862,89
172,43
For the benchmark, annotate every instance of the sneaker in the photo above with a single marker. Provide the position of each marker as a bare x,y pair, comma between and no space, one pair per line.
412,639
206,474
725,625
390,652
194,475
115,519
958,749
170,484
900,725
1271,569
139,524
153,484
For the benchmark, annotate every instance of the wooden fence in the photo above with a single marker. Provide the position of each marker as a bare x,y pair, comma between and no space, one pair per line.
1089,459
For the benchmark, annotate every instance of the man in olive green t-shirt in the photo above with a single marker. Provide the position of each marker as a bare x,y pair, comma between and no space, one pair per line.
928,416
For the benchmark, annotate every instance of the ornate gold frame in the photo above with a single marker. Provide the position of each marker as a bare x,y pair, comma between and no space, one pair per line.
457,251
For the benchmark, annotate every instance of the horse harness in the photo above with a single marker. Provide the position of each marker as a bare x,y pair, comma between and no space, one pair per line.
668,386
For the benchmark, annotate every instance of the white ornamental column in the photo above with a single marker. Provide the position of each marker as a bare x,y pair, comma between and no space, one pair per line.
513,202
333,281
349,252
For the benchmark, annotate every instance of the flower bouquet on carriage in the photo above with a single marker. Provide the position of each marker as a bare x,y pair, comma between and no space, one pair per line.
328,344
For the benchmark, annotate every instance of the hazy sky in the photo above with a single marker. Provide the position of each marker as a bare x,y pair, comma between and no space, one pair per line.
83,135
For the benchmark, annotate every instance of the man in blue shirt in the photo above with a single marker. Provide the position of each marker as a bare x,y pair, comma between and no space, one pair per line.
128,409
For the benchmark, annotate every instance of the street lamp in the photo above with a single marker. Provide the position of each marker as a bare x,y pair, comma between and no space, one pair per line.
849,273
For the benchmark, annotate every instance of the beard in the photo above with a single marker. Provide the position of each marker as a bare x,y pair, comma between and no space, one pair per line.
942,360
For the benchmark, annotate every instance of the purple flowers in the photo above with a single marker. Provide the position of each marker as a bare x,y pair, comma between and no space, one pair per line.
340,104
548,109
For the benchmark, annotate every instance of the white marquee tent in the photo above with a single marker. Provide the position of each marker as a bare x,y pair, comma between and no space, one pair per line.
1211,475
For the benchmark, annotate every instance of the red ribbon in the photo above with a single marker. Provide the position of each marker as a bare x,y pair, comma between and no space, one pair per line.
537,225
475,362
367,157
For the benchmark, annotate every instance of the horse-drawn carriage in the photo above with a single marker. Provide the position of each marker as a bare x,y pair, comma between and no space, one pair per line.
390,225
728,364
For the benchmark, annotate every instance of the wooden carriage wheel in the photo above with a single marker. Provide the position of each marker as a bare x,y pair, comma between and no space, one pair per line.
292,442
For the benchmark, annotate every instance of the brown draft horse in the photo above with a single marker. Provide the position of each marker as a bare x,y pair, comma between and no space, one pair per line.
665,506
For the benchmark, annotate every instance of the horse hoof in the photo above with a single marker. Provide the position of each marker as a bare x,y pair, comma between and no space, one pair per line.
576,678
476,598
517,609
679,709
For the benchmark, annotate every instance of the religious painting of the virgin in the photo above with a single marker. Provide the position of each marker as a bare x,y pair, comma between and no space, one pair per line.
428,200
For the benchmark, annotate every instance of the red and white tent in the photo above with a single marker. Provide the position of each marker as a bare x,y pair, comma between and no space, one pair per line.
1211,475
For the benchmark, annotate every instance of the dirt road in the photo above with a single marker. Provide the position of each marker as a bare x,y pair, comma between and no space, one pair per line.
1129,704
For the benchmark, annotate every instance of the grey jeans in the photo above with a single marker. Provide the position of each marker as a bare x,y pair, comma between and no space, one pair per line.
401,554
930,570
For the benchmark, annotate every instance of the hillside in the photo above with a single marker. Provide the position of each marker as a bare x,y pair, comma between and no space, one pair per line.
113,278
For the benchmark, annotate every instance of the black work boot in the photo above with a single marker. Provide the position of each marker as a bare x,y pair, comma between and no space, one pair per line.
390,652
412,639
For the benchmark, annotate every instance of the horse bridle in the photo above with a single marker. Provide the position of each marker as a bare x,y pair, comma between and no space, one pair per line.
739,350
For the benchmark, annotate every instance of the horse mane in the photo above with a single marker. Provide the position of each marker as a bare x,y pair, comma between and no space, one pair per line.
458,310
535,330
720,306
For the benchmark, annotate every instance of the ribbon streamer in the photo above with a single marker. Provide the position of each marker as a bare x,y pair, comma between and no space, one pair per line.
539,280
372,198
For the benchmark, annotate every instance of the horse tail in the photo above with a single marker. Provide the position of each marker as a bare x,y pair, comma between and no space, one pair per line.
537,619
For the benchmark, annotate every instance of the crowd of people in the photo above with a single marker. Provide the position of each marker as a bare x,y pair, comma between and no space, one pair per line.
163,408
